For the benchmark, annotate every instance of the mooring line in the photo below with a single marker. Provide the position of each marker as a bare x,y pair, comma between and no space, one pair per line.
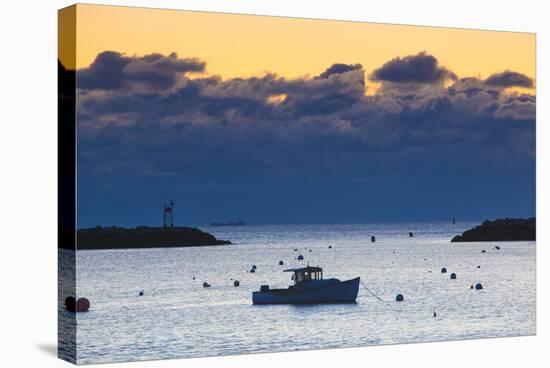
373,294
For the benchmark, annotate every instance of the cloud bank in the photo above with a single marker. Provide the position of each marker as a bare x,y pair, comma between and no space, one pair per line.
146,117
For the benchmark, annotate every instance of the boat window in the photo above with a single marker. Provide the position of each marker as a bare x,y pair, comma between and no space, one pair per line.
302,275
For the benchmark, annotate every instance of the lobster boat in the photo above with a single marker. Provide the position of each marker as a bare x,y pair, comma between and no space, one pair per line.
309,288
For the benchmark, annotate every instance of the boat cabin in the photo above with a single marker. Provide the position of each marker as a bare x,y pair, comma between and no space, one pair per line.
306,274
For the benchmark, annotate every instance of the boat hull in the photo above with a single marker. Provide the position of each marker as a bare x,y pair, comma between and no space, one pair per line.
341,292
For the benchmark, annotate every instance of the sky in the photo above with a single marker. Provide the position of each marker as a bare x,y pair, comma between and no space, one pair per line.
284,120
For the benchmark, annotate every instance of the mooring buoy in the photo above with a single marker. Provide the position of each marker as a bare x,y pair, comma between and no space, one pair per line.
479,286
70,304
443,270
399,298
141,293
453,276
80,305
281,263
330,247
372,239
300,257
252,270
236,283
205,285
410,234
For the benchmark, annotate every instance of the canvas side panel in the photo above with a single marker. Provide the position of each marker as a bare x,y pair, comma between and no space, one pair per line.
66,187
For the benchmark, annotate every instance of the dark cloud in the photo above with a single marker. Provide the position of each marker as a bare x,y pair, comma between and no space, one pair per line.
509,78
419,68
326,104
333,103
106,72
339,69
469,86
155,72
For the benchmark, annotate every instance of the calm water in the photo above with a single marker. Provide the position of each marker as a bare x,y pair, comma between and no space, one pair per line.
177,317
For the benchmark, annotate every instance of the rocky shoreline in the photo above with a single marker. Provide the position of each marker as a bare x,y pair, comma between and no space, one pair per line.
115,237
508,229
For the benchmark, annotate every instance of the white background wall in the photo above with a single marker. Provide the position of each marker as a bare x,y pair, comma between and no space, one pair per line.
28,104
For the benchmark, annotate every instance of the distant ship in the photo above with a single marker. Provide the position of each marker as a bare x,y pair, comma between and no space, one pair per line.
230,223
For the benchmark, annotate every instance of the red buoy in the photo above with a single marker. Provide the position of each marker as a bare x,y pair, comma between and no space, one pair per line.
82,305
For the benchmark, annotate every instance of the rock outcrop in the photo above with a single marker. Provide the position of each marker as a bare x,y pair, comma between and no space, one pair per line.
507,229
115,237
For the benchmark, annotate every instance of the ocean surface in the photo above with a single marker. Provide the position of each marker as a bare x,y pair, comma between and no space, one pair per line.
176,317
